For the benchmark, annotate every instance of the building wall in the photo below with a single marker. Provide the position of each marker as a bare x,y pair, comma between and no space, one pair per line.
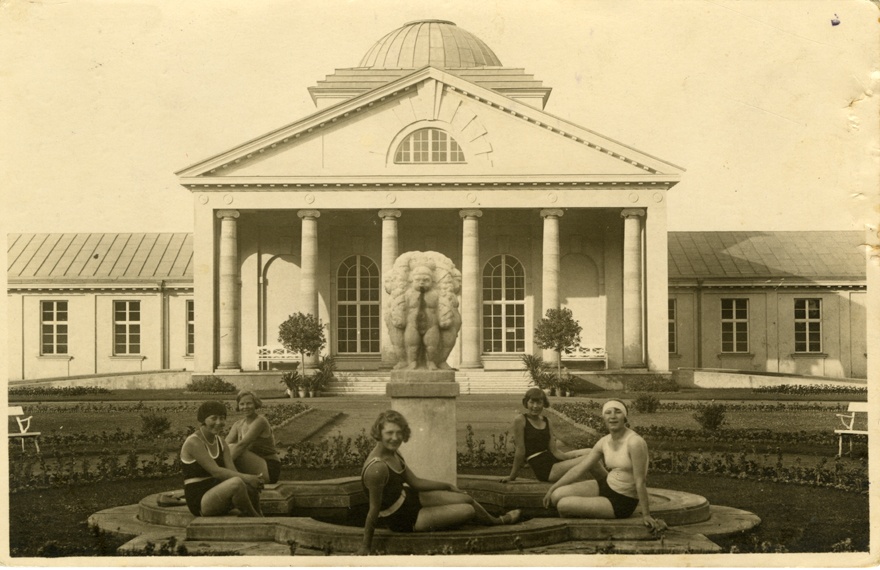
771,332
90,334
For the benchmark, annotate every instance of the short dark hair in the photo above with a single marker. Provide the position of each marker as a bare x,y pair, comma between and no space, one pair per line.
258,403
535,393
393,417
211,408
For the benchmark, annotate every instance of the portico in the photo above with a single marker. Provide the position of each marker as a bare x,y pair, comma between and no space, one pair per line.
536,212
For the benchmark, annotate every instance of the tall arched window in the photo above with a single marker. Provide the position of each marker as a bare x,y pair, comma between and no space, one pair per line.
357,303
428,146
504,305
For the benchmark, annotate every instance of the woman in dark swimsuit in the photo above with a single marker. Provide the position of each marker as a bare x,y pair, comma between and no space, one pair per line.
406,503
212,486
536,444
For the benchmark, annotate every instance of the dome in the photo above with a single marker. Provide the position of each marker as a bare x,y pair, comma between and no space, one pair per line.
437,43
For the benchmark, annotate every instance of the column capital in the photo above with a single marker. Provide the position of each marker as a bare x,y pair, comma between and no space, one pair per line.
552,212
309,214
227,214
388,214
630,212
470,213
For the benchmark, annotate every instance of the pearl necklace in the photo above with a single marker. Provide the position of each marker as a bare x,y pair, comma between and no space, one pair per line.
216,444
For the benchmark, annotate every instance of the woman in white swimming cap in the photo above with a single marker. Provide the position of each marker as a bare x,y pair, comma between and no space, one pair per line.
625,455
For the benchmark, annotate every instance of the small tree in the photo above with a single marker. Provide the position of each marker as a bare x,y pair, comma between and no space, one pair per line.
302,333
559,331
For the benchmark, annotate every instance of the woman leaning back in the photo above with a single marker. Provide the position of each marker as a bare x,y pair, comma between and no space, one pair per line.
212,486
251,440
625,455
536,443
420,504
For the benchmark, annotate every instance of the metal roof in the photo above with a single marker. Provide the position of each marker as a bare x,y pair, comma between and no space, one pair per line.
819,255
692,255
84,257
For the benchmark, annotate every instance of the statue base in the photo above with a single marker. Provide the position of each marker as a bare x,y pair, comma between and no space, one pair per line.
426,398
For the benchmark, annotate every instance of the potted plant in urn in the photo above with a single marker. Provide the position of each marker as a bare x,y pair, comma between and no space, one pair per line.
292,381
558,331
323,375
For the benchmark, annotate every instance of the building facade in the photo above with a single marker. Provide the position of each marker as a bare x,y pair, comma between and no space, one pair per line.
430,143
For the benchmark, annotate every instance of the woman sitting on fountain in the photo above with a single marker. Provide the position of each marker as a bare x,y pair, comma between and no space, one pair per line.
212,486
535,443
421,505
616,496
251,441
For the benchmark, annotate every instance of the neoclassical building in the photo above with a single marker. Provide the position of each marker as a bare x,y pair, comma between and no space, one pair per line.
430,143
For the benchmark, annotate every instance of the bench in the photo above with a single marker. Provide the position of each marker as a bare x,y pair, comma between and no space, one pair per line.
24,424
848,420
275,353
587,354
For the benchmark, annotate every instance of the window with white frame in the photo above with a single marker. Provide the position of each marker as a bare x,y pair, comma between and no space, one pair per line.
673,341
357,304
428,146
126,327
808,325
734,325
53,327
190,327
504,305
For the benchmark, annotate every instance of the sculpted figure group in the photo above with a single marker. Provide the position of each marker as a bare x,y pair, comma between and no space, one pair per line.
423,318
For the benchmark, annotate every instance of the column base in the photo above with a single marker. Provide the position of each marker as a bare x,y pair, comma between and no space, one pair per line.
470,365
228,368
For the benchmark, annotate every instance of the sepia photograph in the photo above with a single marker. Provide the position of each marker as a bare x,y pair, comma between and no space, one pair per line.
387,283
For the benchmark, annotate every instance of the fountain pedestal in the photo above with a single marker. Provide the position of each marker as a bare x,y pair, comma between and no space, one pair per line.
426,398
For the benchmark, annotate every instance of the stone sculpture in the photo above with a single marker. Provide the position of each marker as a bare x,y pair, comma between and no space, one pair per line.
422,317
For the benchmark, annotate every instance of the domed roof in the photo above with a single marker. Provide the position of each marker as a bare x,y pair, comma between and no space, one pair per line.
437,43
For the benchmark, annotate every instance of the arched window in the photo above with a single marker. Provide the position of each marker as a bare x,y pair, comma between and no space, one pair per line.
357,303
504,305
428,146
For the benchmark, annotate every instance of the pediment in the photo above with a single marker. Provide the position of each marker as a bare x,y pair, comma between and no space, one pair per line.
499,136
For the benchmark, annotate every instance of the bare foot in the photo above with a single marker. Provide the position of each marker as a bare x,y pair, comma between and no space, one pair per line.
511,517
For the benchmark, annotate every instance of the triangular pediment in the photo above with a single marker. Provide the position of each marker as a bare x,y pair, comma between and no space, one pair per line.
499,137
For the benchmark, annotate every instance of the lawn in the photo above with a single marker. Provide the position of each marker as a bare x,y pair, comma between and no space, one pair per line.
51,521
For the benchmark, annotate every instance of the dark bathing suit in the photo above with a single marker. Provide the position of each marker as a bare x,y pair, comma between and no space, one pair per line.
197,481
538,454
400,506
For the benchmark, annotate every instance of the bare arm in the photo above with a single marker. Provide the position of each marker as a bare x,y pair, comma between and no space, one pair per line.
375,478
204,459
519,439
243,442
552,445
638,453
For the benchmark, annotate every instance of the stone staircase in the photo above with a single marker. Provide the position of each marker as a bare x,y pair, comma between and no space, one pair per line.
470,382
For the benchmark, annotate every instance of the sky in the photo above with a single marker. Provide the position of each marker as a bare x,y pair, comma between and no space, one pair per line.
770,108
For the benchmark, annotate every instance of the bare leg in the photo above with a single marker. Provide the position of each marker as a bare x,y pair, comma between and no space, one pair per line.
217,501
443,516
440,498
561,468
579,489
249,462
585,507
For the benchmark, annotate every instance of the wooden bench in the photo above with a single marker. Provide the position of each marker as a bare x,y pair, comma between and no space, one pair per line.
848,420
275,353
24,424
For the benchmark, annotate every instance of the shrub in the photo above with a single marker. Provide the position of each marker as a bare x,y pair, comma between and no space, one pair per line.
651,384
302,333
153,424
291,379
646,404
211,385
804,389
57,391
538,371
710,416
560,331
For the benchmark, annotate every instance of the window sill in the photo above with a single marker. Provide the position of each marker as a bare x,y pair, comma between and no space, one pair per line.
809,355
188,356
742,354
127,357
56,357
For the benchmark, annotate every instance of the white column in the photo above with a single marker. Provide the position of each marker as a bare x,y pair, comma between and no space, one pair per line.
633,352
656,283
308,285
230,298
389,256
470,289
550,271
